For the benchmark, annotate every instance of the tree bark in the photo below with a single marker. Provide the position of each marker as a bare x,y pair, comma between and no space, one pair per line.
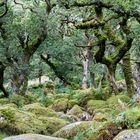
87,62
128,74
2,69
111,76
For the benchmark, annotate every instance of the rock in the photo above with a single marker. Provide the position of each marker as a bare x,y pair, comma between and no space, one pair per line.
128,135
15,121
71,130
40,110
93,105
53,124
66,117
79,113
60,105
76,110
101,117
118,103
32,137
106,131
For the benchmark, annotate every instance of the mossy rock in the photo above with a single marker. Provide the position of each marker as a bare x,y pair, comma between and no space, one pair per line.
78,112
72,103
103,110
61,104
118,102
112,101
93,105
32,137
106,131
40,110
69,118
15,121
53,124
101,117
128,135
71,130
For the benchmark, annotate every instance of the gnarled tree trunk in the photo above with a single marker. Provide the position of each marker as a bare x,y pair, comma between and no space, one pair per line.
128,74
111,76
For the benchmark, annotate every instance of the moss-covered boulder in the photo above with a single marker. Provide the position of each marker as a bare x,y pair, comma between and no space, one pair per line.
53,124
101,117
69,118
93,105
117,101
107,131
61,104
72,130
15,121
128,135
40,110
32,137
79,113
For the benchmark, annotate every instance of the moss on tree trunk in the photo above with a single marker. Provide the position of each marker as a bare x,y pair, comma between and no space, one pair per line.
128,74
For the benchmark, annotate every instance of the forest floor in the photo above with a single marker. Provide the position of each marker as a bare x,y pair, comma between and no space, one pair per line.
73,115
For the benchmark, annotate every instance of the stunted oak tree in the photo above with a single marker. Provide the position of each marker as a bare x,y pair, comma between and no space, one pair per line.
111,25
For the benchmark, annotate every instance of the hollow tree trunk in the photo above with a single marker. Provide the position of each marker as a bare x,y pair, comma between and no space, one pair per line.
111,76
128,74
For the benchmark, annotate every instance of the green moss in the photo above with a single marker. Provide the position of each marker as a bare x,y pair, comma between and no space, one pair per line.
4,101
100,117
40,110
76,111
53,124
15,121
93,105
30,98
131,118
107,131
118,102
18,100
60,105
